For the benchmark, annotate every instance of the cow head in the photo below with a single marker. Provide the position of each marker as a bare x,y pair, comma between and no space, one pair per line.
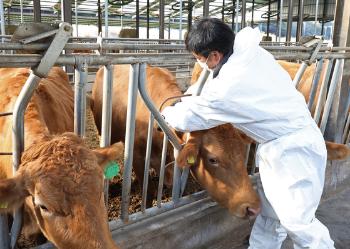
62,182
216,158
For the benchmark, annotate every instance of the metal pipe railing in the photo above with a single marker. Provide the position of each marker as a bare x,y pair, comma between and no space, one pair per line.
106,122
134,80
322,95
162,171
331,91
147,162
18,141
315,82
81,75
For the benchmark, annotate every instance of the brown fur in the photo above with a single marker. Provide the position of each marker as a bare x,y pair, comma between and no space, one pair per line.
229,183
60,170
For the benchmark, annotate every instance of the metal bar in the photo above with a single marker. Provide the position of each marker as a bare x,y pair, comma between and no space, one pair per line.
316,17
161,18
236,13
161,122
299,74
289,21
38,37
81,75
134,78
106,122
36,10
18,140
4,231
66,11
243,13
106,18
322,96
247,155
147,14
180,21
280,21
206,8
331,92
2,20
147,162
176,180
76,16
315,82
21,9
268,20
300,20
346,129
253,5
162,171
137,18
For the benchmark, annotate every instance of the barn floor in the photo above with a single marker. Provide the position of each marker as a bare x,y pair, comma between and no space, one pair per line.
335,214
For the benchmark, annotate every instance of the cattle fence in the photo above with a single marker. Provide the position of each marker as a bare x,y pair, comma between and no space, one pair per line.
331,111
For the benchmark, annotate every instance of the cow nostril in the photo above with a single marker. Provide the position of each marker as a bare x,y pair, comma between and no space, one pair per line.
251,212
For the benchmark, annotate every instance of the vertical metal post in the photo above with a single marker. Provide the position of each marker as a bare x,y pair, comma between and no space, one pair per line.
147,162
300,20
223,11
176,180
137,18
180,21
21,9
280,21
76,17
162,171
147,13
331,91
66,10
2,19
106,18
316,17
206,8
299,74
322,95
243,13
253,6
80,99
315,82
161,18
236,12
189,17
99,17
106,123
324,13
36,10
289,21
233,15
130,134
268,20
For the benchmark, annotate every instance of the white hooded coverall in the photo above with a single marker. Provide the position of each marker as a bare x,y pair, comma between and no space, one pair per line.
254,93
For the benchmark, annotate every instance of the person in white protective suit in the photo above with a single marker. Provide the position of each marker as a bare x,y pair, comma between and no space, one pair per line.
249,89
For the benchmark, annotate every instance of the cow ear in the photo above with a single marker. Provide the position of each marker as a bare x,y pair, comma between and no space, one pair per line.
188,155
337,151
107,154
12,194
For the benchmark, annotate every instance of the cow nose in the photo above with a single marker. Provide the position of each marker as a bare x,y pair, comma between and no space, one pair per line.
249,210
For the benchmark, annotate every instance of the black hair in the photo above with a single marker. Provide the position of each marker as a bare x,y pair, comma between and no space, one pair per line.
210,34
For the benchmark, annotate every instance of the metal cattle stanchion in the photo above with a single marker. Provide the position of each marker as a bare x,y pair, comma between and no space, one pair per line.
40,71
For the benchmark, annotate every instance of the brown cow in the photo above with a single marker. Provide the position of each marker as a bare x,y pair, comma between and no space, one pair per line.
59,179
220,170
334,151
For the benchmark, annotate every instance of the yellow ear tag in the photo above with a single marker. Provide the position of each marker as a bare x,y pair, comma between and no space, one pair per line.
191,159
3,204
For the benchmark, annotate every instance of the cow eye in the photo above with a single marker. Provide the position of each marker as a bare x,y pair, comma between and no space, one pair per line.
43,208
213,161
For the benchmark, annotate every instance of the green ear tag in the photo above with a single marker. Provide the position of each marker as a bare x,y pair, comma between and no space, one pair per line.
111,170
3,204
190,159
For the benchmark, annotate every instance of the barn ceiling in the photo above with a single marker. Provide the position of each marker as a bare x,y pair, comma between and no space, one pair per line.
124,10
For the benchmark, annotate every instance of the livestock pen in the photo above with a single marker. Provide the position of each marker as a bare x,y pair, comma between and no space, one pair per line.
207,225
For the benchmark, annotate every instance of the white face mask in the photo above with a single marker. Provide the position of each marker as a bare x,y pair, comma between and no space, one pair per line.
204,64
